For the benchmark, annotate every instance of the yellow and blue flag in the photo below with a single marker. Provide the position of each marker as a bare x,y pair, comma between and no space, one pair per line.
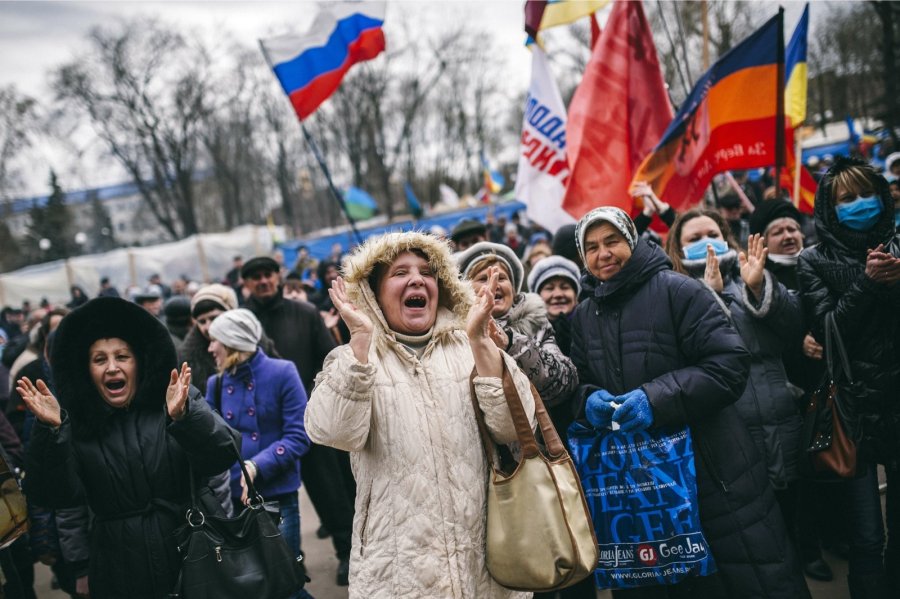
795,73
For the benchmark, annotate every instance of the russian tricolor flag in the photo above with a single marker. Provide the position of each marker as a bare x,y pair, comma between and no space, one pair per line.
311,66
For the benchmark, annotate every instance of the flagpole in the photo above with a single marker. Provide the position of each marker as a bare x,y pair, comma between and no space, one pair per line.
334,192
321,160
798,156
779,108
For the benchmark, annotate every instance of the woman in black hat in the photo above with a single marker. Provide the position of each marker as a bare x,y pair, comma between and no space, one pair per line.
121,438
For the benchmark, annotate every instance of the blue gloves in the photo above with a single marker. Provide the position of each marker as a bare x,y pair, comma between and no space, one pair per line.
598,410
634,412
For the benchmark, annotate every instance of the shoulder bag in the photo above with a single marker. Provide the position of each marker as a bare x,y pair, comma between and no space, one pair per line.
13,508
540,536
244,557
830,448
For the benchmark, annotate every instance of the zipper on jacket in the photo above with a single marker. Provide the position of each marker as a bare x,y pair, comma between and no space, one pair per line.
707,457
219,554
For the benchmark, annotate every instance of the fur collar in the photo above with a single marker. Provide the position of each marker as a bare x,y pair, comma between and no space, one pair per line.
455,297
528,315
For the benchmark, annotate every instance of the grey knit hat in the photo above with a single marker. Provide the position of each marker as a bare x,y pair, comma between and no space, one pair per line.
612,215
238,329
554,266
468,259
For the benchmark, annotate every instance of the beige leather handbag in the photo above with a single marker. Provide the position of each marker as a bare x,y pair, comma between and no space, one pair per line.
13,509
540,536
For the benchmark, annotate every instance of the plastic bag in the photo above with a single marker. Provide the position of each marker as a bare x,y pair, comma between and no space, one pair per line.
642,492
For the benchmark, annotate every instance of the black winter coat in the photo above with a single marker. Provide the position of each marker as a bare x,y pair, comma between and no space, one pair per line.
867,313
652,328
769,327
129,465
298,332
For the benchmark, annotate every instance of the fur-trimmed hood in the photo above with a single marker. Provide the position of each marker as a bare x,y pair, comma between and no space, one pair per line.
105,318
527,315
454,296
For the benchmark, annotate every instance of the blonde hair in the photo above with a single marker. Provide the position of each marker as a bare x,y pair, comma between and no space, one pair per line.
233,359
484,263
856,178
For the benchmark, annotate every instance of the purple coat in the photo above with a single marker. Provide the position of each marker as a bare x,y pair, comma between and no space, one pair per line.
264,400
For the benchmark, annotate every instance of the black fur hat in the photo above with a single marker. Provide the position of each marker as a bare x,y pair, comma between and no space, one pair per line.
105,318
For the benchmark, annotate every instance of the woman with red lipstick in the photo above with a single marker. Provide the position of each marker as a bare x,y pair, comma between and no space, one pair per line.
398,398
121,437
523,330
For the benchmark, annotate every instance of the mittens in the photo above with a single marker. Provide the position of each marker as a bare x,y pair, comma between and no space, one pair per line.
598,410
634,414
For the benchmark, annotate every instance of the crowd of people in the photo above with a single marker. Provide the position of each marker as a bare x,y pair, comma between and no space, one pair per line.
357,375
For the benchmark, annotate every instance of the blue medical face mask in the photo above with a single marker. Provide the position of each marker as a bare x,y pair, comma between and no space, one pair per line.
861,214
697,250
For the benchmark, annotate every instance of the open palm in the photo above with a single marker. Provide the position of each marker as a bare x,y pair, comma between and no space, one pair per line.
753,264
40,401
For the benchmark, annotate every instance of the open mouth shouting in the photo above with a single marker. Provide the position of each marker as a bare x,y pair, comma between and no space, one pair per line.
416,301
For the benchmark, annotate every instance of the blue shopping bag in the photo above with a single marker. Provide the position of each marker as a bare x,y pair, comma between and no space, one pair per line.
641,489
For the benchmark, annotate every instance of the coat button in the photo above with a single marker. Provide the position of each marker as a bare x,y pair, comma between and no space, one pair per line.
279,450
249,386
229,415
230,389
251,411
254,436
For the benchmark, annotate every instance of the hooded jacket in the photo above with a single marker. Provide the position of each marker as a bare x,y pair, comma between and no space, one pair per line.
130,465
652,328
867,313
409,424
532,343
769,326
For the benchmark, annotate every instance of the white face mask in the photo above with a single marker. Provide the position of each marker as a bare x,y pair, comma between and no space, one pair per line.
786,259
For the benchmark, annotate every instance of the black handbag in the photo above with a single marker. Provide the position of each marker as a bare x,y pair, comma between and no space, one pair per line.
828,443
244,557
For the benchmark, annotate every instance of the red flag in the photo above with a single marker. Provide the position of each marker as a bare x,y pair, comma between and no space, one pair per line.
808,185
534,12
618,114
595,31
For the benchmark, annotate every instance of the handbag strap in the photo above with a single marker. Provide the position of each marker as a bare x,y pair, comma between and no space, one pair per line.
254,498
833,340
521,422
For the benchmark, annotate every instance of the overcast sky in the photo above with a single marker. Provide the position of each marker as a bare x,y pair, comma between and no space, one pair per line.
36,36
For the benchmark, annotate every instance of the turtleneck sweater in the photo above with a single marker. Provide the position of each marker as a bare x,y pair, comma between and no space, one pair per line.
415,343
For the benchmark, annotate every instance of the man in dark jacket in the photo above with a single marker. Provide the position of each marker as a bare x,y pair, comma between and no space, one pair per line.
300,336
659,345
851,275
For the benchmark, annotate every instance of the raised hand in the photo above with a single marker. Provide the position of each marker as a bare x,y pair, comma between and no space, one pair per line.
643,190
331,318
480,312
177,392
359,324
753,264
712,275
40,401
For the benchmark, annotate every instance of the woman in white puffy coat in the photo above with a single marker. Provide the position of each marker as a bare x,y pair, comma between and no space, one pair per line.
398,398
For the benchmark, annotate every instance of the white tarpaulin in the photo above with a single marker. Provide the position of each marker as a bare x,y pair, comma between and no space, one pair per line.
543,170
204,258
